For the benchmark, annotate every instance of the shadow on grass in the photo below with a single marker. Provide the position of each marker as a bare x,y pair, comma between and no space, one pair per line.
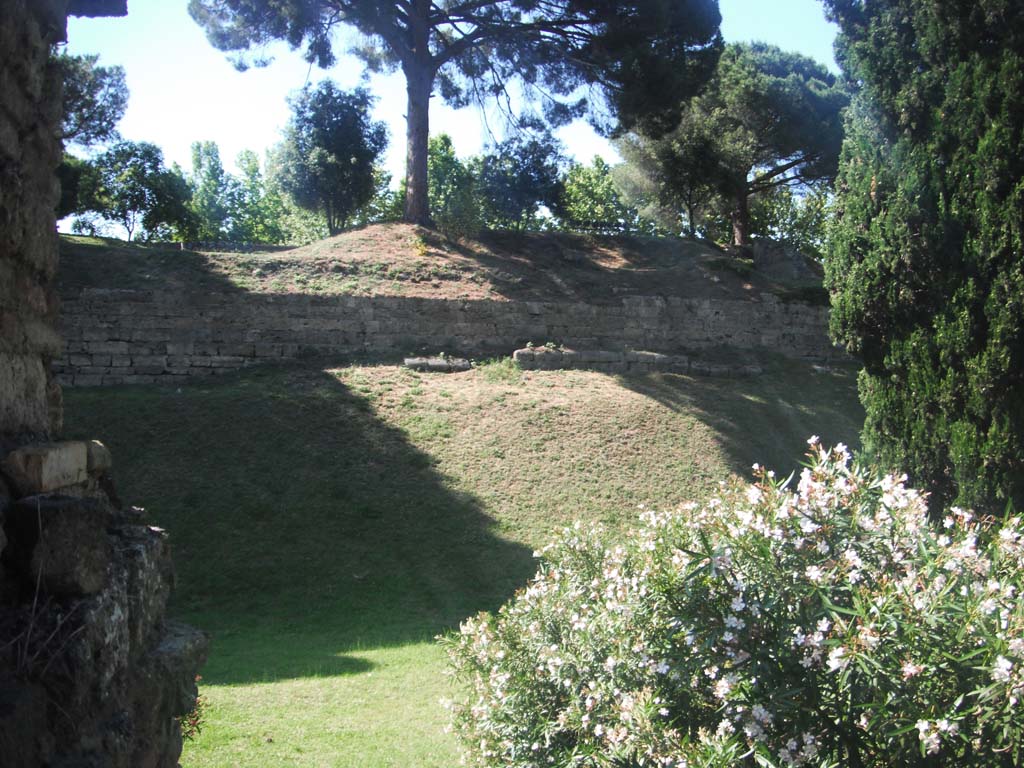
101,262
304,529
765,418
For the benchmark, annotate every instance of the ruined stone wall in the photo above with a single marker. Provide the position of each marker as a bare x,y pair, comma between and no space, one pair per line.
121,336
29,155
91,672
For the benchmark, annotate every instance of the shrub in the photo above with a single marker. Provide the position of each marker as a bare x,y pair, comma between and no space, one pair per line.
827,625
925,257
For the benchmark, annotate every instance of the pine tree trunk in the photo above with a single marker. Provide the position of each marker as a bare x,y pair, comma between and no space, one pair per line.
741,221
418,82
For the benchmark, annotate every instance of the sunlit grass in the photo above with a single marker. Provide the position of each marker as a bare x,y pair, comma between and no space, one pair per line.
328,524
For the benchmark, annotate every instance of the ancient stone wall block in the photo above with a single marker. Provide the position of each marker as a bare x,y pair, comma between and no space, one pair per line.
45,467
98,459
61,544
146,556
24,741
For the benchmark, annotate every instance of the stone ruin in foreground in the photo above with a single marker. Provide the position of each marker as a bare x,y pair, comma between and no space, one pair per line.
92,674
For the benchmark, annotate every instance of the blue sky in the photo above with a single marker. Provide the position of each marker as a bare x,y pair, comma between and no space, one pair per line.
182,90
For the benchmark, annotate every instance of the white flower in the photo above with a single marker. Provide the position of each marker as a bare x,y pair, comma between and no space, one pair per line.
910,670
928,736
814,573
1003,669
837,659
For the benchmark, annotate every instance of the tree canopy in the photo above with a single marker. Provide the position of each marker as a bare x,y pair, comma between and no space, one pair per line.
767,118
95,99
517,177
643,57
326,161
134,189
589,201
926,262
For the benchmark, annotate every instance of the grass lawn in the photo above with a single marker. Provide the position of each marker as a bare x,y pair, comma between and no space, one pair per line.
327,524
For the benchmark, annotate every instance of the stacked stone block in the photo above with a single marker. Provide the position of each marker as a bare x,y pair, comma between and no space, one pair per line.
122,336
91,671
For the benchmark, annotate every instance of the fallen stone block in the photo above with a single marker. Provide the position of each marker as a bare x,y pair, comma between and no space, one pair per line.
45,467
437,364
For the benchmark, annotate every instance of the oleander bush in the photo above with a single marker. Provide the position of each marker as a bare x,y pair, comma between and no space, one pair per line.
826,624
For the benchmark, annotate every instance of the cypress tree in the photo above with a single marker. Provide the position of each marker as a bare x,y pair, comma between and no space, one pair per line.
926,263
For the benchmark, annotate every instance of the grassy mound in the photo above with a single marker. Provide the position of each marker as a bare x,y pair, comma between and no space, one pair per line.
405,260
328,523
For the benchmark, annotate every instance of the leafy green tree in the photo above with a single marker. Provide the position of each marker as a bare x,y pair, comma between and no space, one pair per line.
798,217
517,177
255,208
453,190
326,161
926,262
644,56
589,200
767,119
78,180
94,101
212,188
135,190
674,179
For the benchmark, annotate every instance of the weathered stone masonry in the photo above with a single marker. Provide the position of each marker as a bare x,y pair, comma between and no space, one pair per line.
91,672
122,336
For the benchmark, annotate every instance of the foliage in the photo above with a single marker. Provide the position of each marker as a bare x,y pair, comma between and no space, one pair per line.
94,101
326,161
135,190
453,190
78,180
768,118
589,201
211,192
797,217
191,724
382,206
515,178
257,208
830,625
925,263
671,180
644,57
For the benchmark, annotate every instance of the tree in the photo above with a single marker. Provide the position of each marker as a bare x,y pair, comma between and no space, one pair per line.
644,57
212,189
517,177
95,99
589,200
671,180
794,216
255,208
453,190
135,190
926,261
327,159
767,119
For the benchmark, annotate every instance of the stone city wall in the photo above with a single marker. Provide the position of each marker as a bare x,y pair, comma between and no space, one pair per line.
130,336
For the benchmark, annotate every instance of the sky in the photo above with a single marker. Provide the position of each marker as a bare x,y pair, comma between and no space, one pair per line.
183,90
